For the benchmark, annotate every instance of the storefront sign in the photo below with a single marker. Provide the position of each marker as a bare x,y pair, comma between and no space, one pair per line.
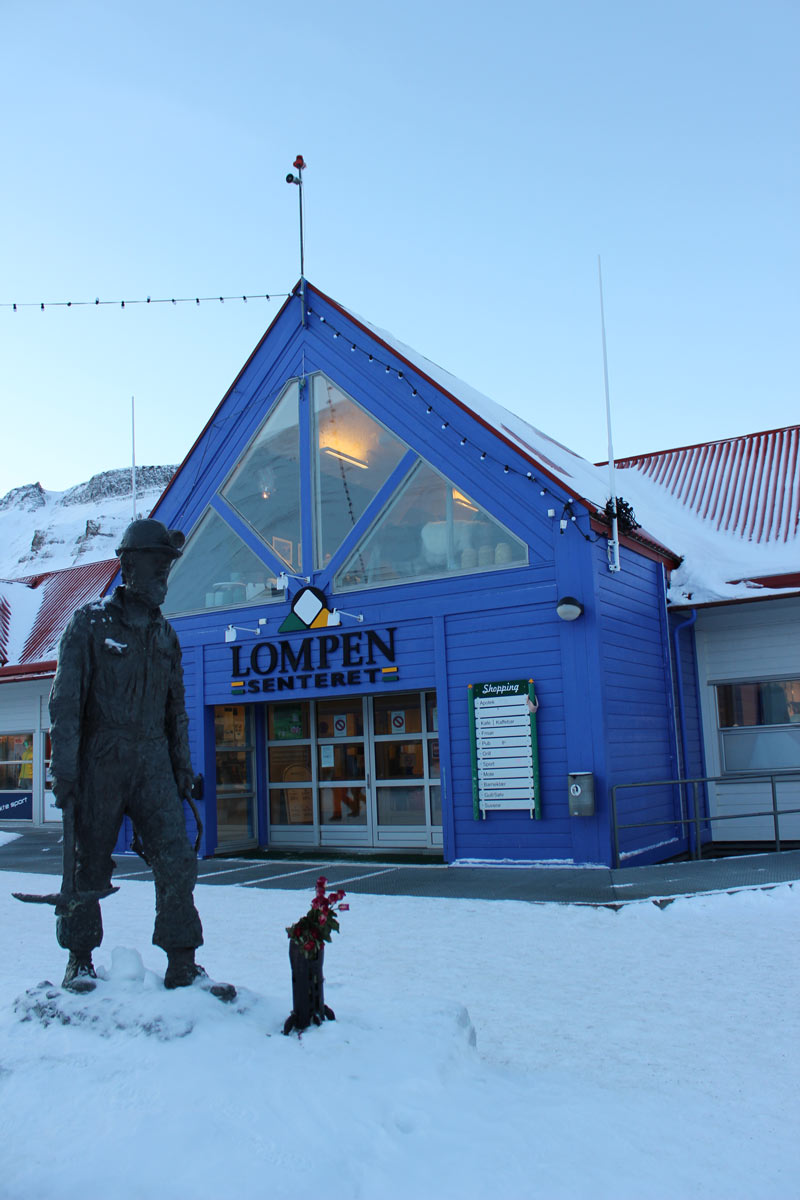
505,759
16,806
329,660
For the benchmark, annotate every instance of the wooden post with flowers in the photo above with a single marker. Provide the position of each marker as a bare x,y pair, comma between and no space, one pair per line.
307,938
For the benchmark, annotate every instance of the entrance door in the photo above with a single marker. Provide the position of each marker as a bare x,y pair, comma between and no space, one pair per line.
236,798
343,779
355,771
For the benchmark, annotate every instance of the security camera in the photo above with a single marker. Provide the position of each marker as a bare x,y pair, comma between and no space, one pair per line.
291,179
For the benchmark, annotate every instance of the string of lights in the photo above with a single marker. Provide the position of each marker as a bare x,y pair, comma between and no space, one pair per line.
42,305
568,516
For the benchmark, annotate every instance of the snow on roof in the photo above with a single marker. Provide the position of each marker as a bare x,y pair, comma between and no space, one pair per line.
37,609
728,508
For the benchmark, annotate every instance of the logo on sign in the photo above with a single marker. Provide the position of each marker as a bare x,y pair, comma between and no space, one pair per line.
398,722
339,726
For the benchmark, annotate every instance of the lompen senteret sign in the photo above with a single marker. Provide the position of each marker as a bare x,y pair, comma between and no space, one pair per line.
505,757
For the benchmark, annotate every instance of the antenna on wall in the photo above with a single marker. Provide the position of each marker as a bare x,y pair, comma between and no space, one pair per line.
613,545
298,164
133,456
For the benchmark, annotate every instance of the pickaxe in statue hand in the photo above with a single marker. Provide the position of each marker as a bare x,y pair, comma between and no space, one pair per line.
68,899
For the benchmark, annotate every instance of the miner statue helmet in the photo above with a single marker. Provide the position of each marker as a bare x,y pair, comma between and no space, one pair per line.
148,534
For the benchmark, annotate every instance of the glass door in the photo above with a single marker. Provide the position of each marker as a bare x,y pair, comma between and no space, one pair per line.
405,744
342,772
358,771
236,797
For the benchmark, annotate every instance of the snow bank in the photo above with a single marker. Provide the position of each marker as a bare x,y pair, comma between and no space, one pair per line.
479,1048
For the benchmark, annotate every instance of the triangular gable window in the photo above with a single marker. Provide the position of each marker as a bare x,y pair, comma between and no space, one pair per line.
429,529
355,455
426,528
217,570
265,486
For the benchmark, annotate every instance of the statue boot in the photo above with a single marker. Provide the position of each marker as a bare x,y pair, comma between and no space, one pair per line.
80,974
183,971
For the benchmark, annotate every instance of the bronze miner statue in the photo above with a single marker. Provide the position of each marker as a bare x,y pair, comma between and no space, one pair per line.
119,737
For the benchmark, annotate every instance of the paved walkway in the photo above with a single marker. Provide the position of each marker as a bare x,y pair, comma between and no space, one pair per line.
39,851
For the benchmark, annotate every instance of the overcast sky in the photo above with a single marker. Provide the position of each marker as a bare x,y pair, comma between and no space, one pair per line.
467,164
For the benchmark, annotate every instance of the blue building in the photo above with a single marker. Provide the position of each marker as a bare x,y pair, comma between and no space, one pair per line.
376,652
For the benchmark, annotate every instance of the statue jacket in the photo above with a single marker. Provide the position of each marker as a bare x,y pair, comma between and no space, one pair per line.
120,682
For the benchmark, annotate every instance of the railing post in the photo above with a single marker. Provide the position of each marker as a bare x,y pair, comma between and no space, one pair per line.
775,815
698,850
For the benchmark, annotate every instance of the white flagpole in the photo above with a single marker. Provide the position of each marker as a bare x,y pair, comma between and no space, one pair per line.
133,456
613,545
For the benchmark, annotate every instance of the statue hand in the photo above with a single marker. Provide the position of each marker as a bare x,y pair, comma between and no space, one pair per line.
65,793
185,782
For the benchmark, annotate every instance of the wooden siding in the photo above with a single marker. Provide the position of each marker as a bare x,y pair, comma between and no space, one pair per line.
508,643
637,700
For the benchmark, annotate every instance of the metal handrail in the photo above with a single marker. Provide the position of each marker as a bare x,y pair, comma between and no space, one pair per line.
698,819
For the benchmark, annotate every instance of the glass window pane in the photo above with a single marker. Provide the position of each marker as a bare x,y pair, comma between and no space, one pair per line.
235,818
432,712
291,806
287,722
401,806
342,761
398,760
343,805
231,725
48,778
9,777
433,758
436,806
340,718
762,749
397,714
217,570
776,702
265,487
16,762
355,457
290,764
234,771
429,529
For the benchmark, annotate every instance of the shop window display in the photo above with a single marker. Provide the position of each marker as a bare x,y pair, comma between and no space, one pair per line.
16,776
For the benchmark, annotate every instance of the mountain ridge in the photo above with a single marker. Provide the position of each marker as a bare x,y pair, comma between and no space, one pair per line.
43,530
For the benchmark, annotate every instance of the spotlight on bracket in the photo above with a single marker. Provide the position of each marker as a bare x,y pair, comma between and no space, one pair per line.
337,613
282,582
232,630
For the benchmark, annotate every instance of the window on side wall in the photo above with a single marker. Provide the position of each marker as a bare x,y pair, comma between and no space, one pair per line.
759,725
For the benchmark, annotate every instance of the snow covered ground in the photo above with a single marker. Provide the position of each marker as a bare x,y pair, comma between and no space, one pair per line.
480,1049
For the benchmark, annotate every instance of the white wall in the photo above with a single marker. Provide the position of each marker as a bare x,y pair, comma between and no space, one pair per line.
736,643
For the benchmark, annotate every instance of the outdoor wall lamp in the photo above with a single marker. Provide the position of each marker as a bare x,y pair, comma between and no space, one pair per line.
232,630
569,609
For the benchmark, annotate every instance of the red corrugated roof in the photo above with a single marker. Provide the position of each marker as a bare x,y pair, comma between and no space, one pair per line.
5,624
748,486
63,592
